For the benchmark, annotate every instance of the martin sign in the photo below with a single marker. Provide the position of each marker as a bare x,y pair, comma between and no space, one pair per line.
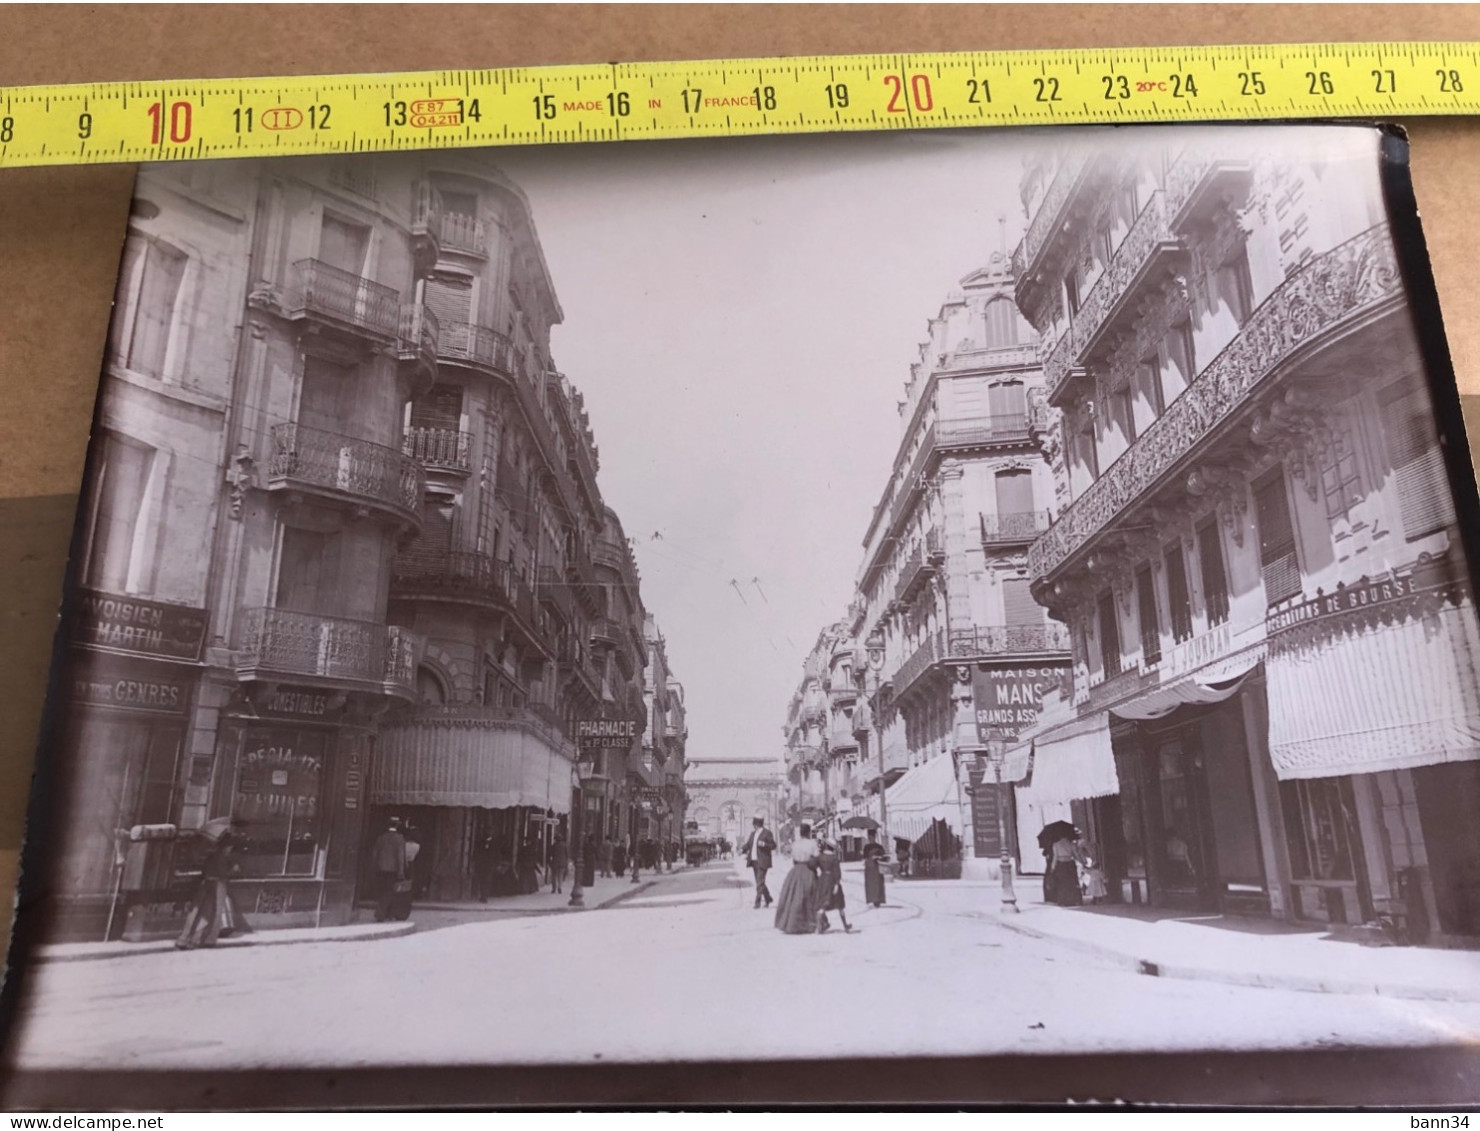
1008,699
606,734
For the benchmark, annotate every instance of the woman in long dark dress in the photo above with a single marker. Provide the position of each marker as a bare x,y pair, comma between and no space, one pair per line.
830,887
213,913
1061,885
873,871
796,906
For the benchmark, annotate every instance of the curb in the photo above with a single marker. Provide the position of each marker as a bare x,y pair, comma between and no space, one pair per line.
259,938
1249,978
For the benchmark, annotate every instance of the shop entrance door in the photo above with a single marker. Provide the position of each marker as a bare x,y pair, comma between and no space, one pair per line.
1181,858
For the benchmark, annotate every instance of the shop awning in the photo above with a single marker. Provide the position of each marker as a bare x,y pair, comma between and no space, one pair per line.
1210,684
1377,697
926,793
1074,760
478,763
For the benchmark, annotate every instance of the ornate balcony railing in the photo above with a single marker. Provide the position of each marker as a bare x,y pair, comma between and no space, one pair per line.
309,645
998,357
1048,217
918,663
342,465
1202,175
1007,529
1354,279
1010,639
443,449
1002,428
606,631
607,553
458,232
466,575
476,345
343,298
416,334
1148,237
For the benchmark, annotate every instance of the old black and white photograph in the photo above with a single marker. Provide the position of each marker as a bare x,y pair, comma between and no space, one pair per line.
986,593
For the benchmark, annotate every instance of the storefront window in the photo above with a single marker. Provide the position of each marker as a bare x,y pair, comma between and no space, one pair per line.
274,800
1319,817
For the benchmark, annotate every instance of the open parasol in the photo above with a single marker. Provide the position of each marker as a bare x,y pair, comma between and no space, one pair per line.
1056,831
860,822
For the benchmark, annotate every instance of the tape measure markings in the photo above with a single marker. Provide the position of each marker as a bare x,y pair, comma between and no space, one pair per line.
98,122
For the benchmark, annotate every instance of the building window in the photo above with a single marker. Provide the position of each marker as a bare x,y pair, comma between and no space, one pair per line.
1087,453
344,245
1235,287
1178,596
1014,494
1339,478
1214,575
1071,291
1424,499
308,572
1123,411
149,289
1007,404
1005,326
275,779
1150,622
1109,635
122,477
1175,357
1018,604
1319,818
1277,557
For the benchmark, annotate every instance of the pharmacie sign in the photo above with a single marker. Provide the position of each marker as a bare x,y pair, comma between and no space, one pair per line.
1008,700
606,734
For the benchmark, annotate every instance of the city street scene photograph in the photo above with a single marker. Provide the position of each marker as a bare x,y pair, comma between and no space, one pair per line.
991,593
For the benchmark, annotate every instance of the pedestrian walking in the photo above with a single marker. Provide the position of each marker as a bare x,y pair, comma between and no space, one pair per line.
604,857
873,871
213,913
388,855
559,862
1061,885
796,909
485,867
527,866
758,849
830,887
619,858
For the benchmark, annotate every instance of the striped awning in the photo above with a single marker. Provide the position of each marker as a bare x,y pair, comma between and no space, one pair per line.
1379,696
1074,760
479,763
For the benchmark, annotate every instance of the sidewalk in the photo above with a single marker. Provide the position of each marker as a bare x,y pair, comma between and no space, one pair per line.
1249,952
606,893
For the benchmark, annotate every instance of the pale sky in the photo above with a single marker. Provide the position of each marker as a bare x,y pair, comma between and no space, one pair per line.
741,316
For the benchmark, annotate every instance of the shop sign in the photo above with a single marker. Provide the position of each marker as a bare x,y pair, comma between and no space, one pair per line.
138,627
162,695
301,703
1008,700
1364,594
985,798
606,734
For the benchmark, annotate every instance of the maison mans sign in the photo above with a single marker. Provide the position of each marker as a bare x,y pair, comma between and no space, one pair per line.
605,734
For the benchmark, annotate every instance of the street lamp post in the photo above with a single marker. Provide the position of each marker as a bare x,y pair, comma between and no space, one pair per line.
585,767
997,754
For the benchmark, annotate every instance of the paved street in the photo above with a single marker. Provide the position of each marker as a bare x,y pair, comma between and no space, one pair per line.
683,970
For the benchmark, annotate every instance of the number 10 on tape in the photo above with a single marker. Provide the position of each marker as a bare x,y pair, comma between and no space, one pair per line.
375,113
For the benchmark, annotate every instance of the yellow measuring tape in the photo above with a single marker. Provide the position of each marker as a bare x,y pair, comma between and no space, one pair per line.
188,119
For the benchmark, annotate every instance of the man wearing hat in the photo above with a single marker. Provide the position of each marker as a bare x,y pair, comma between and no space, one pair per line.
758,848
389,858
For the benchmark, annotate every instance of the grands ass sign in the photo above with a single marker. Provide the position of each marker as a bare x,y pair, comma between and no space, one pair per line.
1008,699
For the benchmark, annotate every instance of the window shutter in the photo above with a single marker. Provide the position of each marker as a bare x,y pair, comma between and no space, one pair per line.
1018,603
1418,463
1277,557
1014,492
164,268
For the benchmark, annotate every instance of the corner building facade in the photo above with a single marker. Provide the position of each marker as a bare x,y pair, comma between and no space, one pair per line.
338,546
1274,696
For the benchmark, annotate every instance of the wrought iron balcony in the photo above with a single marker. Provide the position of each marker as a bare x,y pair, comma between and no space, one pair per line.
1010,639
1149,251
921,563
471,344
1004,428
461,233
1048,219
342,467
555,591
343,300
439,449
609,554
307,647
461,575
920,661
416,336
997,357
1013,529
607,632
1349,284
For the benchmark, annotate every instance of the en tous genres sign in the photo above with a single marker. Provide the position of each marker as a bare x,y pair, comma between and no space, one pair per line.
606,734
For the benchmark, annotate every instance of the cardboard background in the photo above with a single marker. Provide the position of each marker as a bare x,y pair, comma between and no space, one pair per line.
61,229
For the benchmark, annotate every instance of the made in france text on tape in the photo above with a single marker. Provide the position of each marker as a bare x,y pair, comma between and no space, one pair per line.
186,119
